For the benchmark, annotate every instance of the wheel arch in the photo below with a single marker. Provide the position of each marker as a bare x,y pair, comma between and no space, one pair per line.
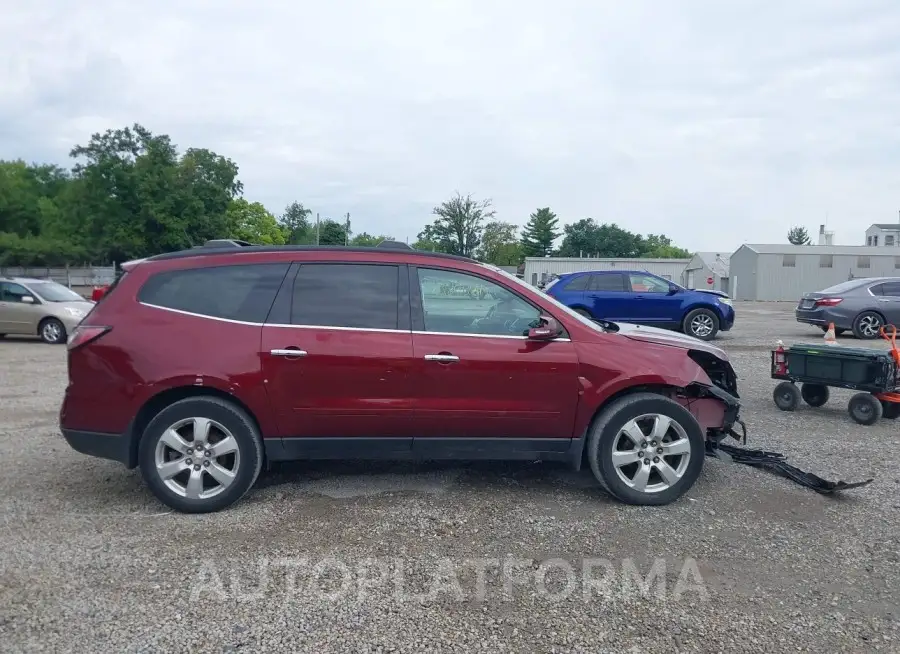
165,398
701,305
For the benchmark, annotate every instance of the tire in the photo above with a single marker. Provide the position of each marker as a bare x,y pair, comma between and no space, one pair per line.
52,331
245,461
867,325
865,408
583,312
606,436
890,410
701,323
814,395
786,396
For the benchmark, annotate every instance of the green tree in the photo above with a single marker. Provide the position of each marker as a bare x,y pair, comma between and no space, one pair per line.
798,236
459,224
585,238
500,245
659,246
539,233
427,240
251,222
367,240
296,221
332,233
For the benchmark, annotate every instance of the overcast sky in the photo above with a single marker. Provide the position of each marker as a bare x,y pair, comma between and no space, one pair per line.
715,122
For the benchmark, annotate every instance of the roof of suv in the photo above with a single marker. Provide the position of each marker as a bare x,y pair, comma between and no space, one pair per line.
240,249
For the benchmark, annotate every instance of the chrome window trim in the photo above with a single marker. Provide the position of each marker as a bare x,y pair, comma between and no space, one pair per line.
340,328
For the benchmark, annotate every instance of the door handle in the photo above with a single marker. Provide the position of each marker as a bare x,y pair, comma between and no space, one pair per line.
442,358
288,352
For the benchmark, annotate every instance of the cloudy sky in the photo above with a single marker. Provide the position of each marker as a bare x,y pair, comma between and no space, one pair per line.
715,122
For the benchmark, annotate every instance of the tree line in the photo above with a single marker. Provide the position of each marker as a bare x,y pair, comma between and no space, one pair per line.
130,193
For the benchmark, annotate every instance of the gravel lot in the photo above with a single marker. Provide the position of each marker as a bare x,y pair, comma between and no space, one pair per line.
362,557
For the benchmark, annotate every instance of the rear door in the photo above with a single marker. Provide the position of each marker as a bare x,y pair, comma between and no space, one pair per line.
888,299
477,375
570,290
337,351
606,296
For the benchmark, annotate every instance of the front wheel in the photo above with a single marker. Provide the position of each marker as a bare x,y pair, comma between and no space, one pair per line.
646,449
702,324
52,331
865,408
200,454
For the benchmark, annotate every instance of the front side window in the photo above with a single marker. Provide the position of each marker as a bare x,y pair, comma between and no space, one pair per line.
12,292
648,284
244,293
459,303
360,296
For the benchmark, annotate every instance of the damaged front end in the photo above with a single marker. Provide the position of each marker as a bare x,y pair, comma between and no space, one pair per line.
716,405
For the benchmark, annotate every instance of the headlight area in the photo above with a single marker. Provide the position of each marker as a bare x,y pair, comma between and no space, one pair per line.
720,372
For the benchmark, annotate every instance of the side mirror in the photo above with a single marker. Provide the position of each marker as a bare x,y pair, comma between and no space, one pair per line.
548,330
673,289
27,299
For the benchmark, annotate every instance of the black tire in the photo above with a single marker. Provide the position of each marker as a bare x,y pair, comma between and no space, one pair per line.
229,416
890,410
867,325
52,331
814,395
786,396
701,323
604,435
865,408
583,312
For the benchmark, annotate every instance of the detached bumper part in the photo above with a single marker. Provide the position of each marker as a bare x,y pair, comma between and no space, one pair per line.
776,463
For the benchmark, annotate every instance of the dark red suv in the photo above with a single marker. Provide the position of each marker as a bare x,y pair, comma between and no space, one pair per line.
201,366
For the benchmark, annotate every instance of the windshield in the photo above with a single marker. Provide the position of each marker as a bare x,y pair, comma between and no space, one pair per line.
562,307
53,292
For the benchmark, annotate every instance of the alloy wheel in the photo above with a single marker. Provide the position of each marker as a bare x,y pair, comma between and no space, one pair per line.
702,325
197,458
870,325
651,453
51,331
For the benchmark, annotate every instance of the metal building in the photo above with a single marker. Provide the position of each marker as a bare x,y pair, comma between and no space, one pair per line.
785,272
538,269
706,266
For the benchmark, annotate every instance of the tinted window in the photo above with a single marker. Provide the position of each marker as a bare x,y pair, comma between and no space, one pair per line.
580,283
891,289
458,303
346,295
242,293
607,282
12,292
648,284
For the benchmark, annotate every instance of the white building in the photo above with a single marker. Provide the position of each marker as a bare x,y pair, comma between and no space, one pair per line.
886,234
707,270
786,272
539,269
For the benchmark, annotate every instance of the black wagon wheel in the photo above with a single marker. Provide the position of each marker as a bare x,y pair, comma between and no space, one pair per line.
865,408
814,395
786,396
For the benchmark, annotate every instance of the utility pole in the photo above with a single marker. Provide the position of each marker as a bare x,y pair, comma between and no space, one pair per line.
317,228
347,230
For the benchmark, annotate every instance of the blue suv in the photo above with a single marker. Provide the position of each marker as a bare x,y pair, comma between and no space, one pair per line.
645,299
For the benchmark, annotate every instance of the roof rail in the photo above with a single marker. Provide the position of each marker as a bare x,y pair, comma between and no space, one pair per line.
394,245
224,243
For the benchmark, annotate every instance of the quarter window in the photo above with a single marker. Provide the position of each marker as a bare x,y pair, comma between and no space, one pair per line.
243,292
580,283
363,296
458,303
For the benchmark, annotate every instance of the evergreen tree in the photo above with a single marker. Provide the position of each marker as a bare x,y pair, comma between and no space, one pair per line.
539,233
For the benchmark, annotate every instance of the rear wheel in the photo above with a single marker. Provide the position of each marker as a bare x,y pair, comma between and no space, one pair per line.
646,449
868,325
814,394
702,324
865,408
52,331
786,396
200,454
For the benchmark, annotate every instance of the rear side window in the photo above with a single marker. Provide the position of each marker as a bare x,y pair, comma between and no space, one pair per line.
364,296
244,292
580,283
607,282
890,289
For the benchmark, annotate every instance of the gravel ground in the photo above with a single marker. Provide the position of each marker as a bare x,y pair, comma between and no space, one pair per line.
463,558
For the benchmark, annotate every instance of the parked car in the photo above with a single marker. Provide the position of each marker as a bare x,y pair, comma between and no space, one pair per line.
643,298
40,307
201,366
862,306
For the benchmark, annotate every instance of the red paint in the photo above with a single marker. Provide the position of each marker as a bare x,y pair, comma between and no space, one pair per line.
364,382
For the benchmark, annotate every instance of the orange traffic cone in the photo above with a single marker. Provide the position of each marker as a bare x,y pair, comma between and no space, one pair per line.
830,338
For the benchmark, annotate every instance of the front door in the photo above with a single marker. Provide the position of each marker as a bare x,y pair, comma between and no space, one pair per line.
337,355
18,316
478,376
650,301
